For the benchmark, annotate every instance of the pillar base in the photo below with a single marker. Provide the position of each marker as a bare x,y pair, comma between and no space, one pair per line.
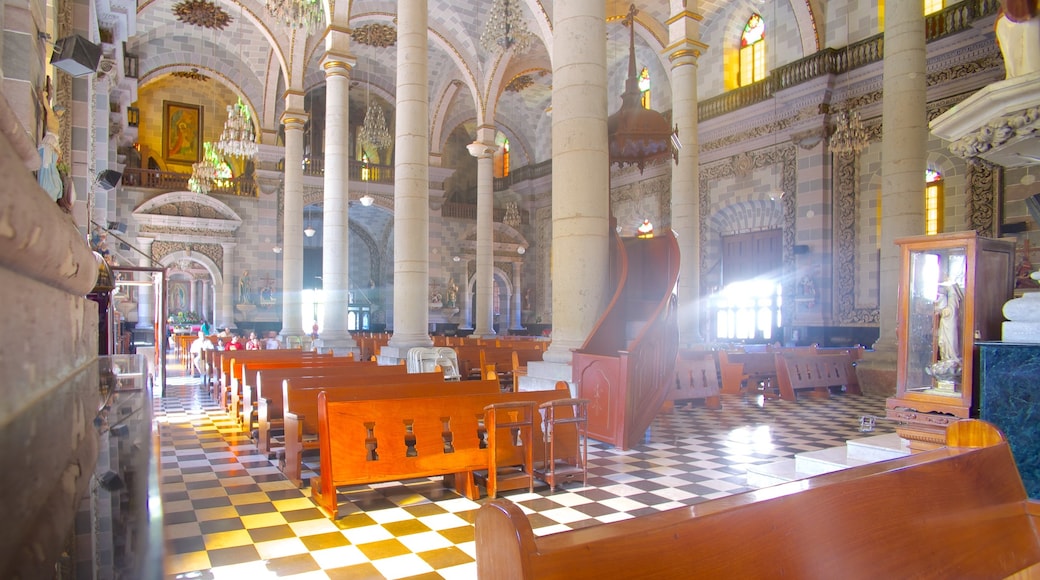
343,346
543,376
876,373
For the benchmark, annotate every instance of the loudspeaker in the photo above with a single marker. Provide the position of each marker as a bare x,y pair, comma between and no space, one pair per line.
109,178
111,481
76,55
1013,227
1033,205
801,249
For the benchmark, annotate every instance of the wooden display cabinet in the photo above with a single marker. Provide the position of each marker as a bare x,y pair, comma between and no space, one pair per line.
952,289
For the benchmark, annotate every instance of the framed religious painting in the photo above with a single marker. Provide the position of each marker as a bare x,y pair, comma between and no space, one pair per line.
182,133
952,290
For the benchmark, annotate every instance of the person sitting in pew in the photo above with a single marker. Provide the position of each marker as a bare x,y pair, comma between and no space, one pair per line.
272,342
253,343
235,343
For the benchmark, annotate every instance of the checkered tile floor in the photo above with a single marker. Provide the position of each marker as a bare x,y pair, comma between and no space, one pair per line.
229,512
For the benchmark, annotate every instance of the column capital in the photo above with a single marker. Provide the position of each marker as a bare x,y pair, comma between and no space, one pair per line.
686,51
338,64
228,245
294,119
482,150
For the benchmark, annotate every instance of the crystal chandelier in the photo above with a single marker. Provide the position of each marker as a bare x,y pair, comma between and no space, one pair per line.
506,28
374,131
849,135
512,217
297,13
205,172
238,139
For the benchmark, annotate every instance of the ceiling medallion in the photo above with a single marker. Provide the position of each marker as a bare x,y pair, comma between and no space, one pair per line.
379,35
192,75
201,13
519,83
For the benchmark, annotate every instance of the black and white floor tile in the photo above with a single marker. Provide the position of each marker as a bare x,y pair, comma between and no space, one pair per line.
229,512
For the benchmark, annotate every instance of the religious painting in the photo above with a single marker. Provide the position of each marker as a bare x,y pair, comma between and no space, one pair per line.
182,132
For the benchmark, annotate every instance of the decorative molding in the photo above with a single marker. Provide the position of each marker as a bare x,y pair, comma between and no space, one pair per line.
192,75
846,219
1023,124
202,13
378,35
983,212
161,249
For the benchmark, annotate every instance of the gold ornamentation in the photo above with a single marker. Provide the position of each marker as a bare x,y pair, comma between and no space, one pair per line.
378,35
192,75
519,83
201,13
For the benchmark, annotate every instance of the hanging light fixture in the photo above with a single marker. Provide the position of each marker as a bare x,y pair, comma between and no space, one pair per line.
849,135
297,13
506,28
238,138
636,135
512,217
374,131
309,231
204,173
367,200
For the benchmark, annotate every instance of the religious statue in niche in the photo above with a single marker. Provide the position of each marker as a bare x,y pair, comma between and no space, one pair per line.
245,288
807,288
1018,35
451,295
947,367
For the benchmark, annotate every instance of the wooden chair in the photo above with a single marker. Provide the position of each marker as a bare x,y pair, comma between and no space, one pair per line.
510,444
566,442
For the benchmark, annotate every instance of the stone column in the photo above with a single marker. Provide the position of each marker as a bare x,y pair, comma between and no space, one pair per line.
294,119
518,297
145,294
484,151
412,184
335,232
193,296
581,169
205,300
684,49
225,315
903,162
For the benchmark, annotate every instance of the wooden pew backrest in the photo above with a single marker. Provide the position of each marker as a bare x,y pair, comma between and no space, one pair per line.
954,512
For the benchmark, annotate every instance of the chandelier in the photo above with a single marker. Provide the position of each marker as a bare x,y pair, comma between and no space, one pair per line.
238,139
374,131
849,135
297,13
637,135
512,217
505,28
204,173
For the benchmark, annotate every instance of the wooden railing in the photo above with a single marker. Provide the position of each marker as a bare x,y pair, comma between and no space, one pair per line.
357,171
468,211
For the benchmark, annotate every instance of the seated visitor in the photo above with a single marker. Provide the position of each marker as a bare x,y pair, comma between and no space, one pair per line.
253,343
235,344
272,342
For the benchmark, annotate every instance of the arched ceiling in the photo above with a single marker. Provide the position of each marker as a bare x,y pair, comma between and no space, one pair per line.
259,58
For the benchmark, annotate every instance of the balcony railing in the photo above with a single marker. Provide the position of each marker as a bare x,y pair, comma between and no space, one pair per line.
468,211
357,171
954,19
242,185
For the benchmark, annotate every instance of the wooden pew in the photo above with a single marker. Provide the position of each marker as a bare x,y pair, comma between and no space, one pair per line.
956,512
243,379
363,442
222,387
819,371
300,400
736,367
220,381
696,378
270,404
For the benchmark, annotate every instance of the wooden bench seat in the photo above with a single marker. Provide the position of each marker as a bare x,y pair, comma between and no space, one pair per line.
818,371
270,403
956,512
696,377
244,372
364,442
220,374
300,405
740,369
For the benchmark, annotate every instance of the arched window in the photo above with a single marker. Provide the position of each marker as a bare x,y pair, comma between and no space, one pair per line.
644,87
752,51
505,158
933,203
501,158
933,6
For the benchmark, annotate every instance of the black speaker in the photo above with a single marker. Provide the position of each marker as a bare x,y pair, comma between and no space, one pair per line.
1013,227
109,178
76,55
801,249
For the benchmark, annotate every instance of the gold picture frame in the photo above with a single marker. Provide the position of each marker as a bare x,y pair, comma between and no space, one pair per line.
182,132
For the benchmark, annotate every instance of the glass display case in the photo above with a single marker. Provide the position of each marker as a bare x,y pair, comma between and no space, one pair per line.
951,292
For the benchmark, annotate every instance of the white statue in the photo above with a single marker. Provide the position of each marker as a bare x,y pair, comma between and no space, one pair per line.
1018,34
948,306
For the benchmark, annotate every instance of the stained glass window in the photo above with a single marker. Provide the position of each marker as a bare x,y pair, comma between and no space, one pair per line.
933,202
753,51
644,87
